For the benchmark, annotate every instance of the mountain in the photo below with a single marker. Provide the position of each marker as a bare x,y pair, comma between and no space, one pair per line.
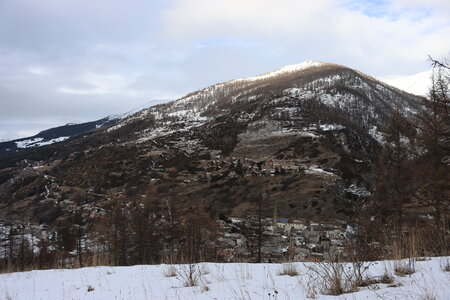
56,134
62,133
417,84
306,135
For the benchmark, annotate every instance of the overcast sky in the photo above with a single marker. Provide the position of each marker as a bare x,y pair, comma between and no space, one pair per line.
78,60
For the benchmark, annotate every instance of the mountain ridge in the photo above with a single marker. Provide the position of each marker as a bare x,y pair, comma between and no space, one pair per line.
310,137
55,134
196,105
42,137
63,132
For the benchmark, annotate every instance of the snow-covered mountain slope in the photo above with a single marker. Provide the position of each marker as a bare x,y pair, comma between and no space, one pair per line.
287,69
37,142
363,100
57,134
417,84
62,133
224,281
313,125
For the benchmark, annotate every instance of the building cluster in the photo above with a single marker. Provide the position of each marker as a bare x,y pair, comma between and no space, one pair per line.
281,239
221,167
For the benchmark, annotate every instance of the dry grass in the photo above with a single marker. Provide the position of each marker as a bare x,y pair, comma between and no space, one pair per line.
368,282
394,285
333,278
219,273
244,272
170,271
428,293
445,265
205,288
427,296
386,279
288,269
422,258
8,267
190,275
402,249
204,270
309,286
404,267
97,258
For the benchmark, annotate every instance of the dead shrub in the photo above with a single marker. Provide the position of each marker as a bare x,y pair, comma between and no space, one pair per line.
333,278
386,279
310,286
205,288
204,270
368,282
190,275
394,285
288,269
170,271
402,268
445,265
422,258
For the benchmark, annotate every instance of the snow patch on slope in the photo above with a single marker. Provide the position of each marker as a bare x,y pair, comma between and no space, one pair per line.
417,84
37,142
287,69
314,169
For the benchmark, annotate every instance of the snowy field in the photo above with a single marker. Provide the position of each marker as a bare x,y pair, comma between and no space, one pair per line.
220,281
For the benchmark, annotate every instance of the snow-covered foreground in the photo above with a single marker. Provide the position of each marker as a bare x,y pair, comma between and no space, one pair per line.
218,281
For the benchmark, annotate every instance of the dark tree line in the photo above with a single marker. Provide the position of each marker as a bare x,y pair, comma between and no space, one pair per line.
414,166
137,229
152,230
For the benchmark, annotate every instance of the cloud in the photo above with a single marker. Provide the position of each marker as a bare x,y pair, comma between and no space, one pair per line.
438,7
99,84
37,70
373,33
20,128
80,60
211,18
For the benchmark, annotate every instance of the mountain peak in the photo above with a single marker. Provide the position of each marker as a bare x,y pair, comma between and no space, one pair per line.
301,66
286,69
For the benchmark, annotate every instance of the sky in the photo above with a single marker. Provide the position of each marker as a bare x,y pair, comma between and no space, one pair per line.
70,61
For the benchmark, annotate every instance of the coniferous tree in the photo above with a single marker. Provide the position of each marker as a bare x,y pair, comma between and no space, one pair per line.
392,188
434,140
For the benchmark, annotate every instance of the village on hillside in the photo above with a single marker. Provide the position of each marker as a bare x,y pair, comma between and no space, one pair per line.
282,239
